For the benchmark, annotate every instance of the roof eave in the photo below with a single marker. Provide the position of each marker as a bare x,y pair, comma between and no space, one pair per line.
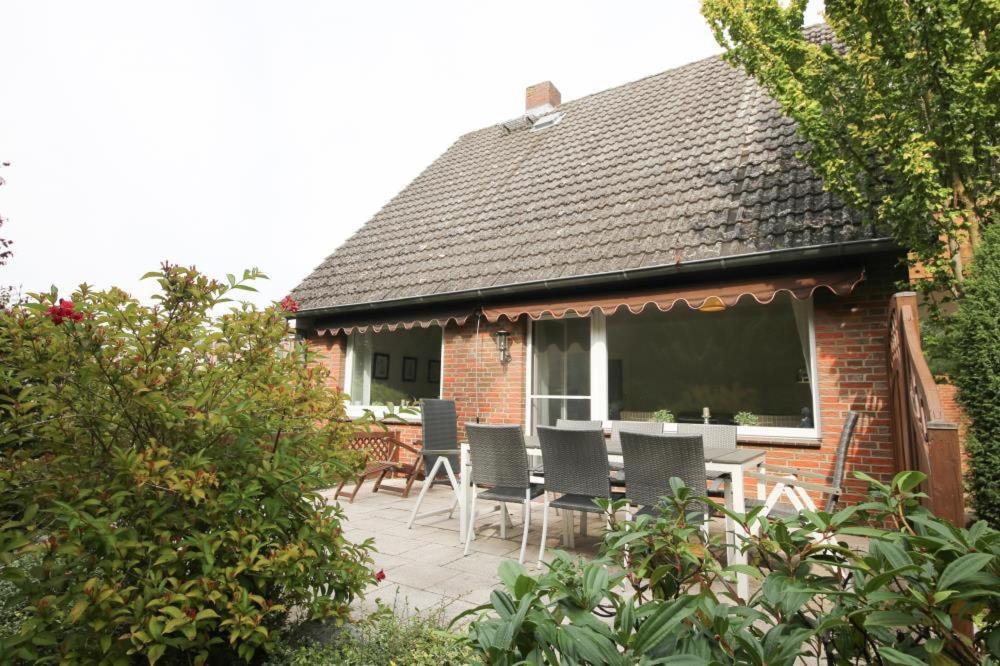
789,255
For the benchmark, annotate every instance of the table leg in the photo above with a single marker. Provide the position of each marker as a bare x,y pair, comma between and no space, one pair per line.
464,475
737,556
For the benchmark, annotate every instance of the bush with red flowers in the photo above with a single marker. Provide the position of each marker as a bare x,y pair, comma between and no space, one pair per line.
289,304
63,311
160,469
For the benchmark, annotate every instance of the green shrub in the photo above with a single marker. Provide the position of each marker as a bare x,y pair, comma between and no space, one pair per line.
976,371
746,419
383,638
162,464
659,591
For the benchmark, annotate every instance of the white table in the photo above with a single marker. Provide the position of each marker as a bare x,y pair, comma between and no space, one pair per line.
732,462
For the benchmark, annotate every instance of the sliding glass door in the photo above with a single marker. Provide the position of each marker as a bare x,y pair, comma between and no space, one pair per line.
560,386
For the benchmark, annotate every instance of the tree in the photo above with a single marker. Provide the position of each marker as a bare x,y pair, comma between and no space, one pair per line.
899,105
977,374
160,470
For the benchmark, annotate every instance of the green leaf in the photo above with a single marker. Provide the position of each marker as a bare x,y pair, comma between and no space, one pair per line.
889,619
659,625
894,656
962,568
155,652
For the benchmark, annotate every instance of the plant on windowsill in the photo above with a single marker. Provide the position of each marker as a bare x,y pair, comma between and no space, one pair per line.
664,416
746,419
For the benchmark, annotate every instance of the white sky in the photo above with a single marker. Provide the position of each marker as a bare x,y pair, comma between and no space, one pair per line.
232,134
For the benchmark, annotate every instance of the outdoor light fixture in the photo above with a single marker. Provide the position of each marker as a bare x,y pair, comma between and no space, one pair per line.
712,304
503,344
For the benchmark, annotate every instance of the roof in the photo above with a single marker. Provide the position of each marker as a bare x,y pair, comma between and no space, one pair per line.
691,164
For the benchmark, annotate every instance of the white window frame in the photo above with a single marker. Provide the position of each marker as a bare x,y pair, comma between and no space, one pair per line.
380,411
599,384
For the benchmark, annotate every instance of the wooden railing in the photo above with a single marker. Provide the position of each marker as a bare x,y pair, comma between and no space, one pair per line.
923,439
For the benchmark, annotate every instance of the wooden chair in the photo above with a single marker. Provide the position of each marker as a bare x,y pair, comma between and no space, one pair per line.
381,451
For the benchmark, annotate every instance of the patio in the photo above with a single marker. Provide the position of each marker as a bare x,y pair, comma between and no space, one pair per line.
424,567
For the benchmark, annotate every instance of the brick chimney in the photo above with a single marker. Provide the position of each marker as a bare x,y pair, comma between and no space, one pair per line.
541,97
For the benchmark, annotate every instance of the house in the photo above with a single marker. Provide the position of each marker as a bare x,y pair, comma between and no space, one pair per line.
653,247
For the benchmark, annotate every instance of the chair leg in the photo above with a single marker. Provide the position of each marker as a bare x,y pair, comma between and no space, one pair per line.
472,522
428,480
583,523
340,487
503,520
412,476
454,505
545,529
527,524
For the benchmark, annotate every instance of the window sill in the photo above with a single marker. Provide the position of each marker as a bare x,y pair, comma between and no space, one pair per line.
789,442
383,414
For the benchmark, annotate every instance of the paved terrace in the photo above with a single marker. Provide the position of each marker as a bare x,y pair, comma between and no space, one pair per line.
425,569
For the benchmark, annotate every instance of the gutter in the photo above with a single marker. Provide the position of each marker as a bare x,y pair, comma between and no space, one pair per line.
812,252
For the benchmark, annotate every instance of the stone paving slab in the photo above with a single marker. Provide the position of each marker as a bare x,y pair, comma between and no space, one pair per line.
426,569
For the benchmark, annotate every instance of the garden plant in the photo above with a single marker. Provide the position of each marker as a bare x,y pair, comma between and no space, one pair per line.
659,593
159,476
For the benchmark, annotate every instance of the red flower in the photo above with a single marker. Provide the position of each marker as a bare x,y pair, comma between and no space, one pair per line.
288,304
379,576
63,311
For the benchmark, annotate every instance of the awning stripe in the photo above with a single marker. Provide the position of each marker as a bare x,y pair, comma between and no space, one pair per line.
763,290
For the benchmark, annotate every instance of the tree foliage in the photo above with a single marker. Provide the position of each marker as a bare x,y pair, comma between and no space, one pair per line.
659,592
159,476
976,350
901,109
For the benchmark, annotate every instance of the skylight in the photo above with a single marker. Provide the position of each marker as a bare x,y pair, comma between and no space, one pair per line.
547,121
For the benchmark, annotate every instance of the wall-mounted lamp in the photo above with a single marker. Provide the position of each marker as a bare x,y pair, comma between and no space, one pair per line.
503,344
712,304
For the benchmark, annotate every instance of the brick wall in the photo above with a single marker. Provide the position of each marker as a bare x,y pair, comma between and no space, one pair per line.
474,378
331,351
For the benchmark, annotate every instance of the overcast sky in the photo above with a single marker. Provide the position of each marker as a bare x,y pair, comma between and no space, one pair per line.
233,134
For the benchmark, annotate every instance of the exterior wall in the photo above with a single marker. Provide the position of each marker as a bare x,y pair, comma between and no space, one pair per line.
331,351
485,390
852,373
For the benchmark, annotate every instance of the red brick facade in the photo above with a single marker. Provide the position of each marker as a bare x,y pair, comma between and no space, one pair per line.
851,359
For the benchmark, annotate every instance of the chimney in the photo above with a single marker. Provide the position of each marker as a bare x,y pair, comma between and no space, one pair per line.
541,97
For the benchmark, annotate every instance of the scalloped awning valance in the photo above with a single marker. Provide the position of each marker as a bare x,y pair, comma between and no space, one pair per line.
377,322
695,296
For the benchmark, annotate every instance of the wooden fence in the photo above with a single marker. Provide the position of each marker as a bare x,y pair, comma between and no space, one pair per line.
923,439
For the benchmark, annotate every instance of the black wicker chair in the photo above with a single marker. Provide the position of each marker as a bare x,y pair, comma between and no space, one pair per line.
714,436
440,452
500,464
652,460
576,464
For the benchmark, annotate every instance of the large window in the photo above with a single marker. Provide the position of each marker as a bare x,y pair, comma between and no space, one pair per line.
748,364
393,367
560,387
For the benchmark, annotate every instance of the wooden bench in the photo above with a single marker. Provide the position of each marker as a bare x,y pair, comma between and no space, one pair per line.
381,451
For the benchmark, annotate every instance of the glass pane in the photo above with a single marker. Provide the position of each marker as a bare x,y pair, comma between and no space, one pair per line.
748,364
547,411
396,367
362,365
561,357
